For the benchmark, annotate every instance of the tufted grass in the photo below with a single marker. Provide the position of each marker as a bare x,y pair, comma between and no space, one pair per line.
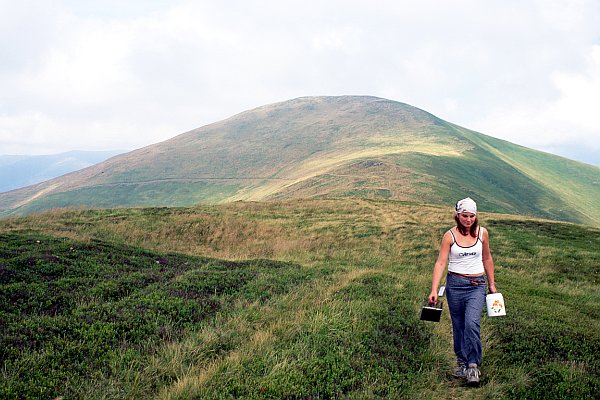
296,299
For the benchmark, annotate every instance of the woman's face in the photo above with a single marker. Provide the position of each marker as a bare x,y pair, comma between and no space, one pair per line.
467,219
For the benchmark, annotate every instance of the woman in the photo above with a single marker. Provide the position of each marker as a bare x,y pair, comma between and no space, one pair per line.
466,250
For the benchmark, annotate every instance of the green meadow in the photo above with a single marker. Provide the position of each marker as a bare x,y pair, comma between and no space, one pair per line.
299,299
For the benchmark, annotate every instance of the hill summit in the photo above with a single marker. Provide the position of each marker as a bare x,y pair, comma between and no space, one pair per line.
322,147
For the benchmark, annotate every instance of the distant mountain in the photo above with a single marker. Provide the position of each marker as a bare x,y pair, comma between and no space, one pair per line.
329,147
20,171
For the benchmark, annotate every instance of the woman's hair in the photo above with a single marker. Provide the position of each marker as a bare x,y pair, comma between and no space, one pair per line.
463,229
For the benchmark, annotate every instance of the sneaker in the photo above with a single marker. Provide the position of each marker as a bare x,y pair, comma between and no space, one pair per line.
472,374
460,371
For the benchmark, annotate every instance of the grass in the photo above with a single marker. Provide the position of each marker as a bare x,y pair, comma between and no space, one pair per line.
317,299
72,311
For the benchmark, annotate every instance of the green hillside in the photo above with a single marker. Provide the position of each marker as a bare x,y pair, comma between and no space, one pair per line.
329,147
293,299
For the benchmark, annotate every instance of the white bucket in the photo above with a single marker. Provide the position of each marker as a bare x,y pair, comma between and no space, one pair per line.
495,305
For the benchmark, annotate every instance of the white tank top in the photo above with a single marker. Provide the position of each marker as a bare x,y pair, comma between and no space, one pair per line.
466,260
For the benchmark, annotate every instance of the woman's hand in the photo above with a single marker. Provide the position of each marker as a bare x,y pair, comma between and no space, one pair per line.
492,287
433,298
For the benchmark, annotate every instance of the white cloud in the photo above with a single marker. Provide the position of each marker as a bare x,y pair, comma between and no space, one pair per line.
567,121
97,75
568,16
86,70
580,94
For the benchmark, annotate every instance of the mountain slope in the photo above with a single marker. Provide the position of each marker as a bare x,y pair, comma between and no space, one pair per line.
19,171
329,147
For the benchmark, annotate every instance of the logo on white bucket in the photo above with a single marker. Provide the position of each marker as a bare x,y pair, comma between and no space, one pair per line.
495,305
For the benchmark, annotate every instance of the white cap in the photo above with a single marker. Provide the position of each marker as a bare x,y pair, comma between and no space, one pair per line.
466,206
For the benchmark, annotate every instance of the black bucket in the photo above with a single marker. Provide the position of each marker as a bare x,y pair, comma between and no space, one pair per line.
431,312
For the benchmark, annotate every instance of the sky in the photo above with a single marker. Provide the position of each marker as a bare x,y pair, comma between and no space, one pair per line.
112,74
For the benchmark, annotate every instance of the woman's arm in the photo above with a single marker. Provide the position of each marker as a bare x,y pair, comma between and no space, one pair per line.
440,266
488,262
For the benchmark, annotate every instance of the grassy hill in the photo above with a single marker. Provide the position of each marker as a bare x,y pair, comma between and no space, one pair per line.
318,299
329,147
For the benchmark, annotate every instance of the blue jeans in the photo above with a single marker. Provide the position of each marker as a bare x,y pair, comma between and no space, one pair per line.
466,298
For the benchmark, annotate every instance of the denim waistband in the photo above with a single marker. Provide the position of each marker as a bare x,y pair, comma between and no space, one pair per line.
475,280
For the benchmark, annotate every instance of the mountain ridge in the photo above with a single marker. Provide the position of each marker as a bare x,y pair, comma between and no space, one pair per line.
17,171
334,146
